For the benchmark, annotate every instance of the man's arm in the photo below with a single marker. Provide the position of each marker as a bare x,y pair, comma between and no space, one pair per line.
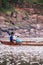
14,38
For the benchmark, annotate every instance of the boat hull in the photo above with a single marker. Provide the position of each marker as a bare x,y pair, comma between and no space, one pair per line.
23,43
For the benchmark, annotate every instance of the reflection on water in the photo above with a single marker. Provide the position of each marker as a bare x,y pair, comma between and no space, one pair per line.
21,55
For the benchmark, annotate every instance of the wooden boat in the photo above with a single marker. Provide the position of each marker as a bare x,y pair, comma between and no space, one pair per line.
23,43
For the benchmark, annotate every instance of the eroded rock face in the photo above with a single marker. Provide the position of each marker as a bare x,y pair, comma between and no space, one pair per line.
32,23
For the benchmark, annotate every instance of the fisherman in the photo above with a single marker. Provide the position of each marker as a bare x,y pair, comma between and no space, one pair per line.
18,40
11,37
14,38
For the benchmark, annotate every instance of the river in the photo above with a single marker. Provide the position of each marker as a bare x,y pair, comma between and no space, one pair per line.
21,55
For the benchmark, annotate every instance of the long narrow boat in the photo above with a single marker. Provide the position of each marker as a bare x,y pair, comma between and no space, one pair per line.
23,43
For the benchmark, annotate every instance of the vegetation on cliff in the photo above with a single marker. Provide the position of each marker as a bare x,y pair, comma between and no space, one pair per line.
8,4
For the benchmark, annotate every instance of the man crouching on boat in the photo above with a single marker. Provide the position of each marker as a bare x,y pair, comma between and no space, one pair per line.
14,38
